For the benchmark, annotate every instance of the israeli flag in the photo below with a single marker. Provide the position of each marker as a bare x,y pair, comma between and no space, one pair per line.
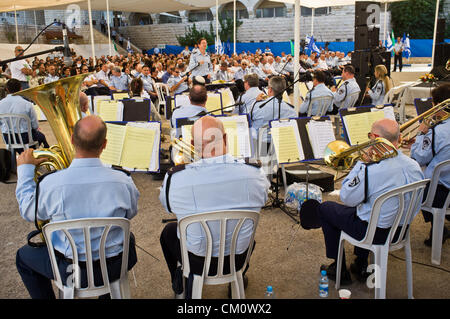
389,44
219,47
312,45
406,46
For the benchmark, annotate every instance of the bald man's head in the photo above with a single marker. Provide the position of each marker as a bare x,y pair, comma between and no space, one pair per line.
198,95
209,137
84,102
388,129
89,135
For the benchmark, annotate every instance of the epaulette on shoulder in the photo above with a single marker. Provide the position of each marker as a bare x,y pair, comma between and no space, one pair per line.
176,169
118,168
252,162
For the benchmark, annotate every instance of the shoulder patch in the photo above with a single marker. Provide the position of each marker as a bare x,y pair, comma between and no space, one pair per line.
426,143
252,162
176,169
341,91
118,168
354,182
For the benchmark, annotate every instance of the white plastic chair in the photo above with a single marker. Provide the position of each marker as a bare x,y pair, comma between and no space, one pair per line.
15,141
322,102
405,215
162,90
218,220
438,213
118,289
353,99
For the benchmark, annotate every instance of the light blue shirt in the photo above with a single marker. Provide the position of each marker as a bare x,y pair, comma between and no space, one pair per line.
382,177
184,111
51,78
262,116
18,105
202,69
240,73
211,184
148,82
248,98
342,95
256,69
319,90
377,93
85,189
222,75
422,151
120,82
173,80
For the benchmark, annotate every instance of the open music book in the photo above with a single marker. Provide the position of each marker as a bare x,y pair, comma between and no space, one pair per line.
287,143
134,146
320,134
110,110
238,135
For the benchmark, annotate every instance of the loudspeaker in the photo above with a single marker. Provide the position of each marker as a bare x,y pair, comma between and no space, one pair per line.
374,37
361,62
441,54
440,33
362,38
361,14
384,58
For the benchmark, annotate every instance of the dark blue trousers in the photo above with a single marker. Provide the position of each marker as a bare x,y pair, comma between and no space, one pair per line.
335,218
34,266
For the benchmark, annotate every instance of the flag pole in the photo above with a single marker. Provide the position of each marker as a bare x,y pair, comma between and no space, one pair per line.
296,55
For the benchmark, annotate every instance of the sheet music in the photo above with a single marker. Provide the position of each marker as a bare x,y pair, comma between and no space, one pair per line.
214,102
238,135
186,133
113,151
387,110
181,99
359,125
110,110
137,148
97,99
320,134
120,96
227,98
156,127
286,139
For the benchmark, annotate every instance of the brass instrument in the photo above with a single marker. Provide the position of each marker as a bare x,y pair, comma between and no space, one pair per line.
430,118
340,156
60,103
185,152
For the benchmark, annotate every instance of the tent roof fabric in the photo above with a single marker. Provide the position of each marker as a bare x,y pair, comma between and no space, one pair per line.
143,6
327,3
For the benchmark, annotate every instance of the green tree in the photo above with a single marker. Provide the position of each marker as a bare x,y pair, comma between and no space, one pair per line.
415,17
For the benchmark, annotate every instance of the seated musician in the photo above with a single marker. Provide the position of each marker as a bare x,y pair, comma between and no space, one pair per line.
343,93
223,74
319,90
353,215
137,89
18,105
197,97
431,147
252,91
217,181
176,83
381,87
105,192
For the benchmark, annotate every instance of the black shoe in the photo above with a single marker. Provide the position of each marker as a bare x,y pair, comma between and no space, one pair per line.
245,279
429,241
346,278
359,271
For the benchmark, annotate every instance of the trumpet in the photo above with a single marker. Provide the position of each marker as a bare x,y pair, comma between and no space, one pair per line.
185,153
340,156
430,118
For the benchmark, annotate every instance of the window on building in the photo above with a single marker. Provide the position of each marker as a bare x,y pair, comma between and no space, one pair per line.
241,11
269,9
307,12
204,15
170,17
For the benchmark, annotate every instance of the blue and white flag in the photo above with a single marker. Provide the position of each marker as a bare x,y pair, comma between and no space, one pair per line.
312,45
406,46
219,46
389,44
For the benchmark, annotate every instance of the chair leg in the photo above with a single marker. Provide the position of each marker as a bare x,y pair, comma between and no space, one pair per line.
197,287
237,287
409,274
339,263
438,231
381,256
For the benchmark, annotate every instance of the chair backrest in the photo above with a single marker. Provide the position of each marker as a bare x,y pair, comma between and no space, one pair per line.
438,170
404,214
162,90
322,102
217,220
13,122
86,224
353,98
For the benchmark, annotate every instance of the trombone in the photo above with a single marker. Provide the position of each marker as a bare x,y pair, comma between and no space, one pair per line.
185,152
430,118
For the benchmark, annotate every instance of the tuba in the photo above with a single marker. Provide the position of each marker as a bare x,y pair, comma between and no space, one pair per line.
430,118
60,103
340,156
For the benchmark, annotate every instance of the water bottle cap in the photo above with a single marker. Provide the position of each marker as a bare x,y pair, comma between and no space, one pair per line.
269,289
323,272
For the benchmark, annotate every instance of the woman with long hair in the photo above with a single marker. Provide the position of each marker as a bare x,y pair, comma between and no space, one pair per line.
381,87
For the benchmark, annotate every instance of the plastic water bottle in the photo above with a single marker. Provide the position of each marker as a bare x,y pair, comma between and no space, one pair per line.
323,284
269,293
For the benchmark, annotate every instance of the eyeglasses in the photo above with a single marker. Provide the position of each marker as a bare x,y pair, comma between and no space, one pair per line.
370,135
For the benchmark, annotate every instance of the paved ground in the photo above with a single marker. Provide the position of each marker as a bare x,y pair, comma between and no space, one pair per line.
286,256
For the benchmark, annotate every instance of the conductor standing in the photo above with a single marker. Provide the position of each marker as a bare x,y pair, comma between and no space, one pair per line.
398,52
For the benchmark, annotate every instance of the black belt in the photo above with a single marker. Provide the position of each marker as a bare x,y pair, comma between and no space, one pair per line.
82,264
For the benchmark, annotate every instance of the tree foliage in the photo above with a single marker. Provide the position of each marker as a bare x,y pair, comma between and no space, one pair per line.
415,17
